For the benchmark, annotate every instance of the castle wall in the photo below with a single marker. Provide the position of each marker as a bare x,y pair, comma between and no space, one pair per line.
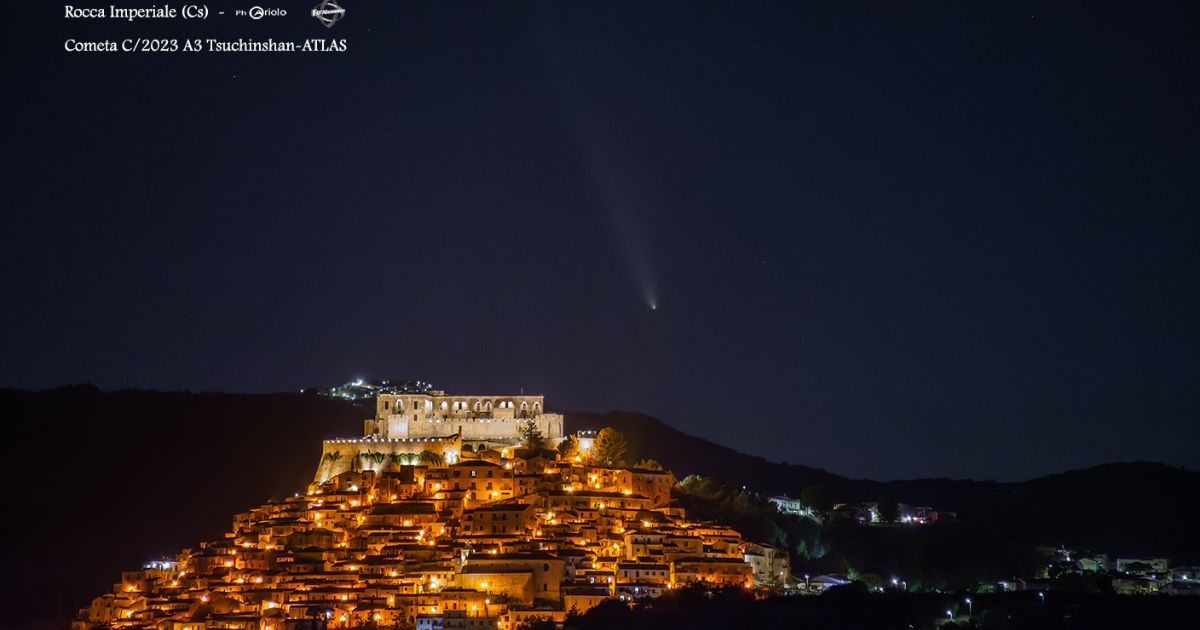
496,429
380,455
485,418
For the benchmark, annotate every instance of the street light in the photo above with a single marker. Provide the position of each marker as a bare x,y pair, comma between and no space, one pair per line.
970,609
1042,596
950,613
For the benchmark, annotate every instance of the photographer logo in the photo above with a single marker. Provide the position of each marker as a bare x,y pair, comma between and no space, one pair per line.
328,12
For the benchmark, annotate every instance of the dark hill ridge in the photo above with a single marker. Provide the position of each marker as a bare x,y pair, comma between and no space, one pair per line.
649,437
1128,509
106,480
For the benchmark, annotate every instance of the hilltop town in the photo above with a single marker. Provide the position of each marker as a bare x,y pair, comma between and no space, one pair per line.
449,511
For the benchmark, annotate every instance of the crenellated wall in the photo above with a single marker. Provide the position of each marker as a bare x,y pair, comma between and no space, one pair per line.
381,454
493,429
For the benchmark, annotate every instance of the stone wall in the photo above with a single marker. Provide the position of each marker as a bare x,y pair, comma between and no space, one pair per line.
485,429
381,455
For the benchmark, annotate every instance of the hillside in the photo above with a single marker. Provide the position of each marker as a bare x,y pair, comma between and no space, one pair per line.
1129,509
178,465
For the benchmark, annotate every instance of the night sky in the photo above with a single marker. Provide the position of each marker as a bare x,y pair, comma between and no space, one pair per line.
891,240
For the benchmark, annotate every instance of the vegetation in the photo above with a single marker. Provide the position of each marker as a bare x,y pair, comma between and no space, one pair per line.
432,459
333,456
941,556
648,464
609,447
569,447
817,497
853,606
753,516
889,508
531,435
404,458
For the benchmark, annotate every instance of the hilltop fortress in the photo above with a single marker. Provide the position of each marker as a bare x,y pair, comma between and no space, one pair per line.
492,420
407,427
437,518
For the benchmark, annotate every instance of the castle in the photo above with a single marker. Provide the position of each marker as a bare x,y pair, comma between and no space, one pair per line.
409,426
490,420
435,518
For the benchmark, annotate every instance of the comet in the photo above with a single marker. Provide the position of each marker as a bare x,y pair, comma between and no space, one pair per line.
618,193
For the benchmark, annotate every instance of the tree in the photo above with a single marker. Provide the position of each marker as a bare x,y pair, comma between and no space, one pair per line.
531,435
817,497
889,508
609,448
569,447
537,622
648,464
431,458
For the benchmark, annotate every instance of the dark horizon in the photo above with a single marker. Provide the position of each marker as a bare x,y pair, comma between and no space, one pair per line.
340,429
894,241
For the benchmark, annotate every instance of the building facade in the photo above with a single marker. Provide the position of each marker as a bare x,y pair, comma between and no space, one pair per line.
489,420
